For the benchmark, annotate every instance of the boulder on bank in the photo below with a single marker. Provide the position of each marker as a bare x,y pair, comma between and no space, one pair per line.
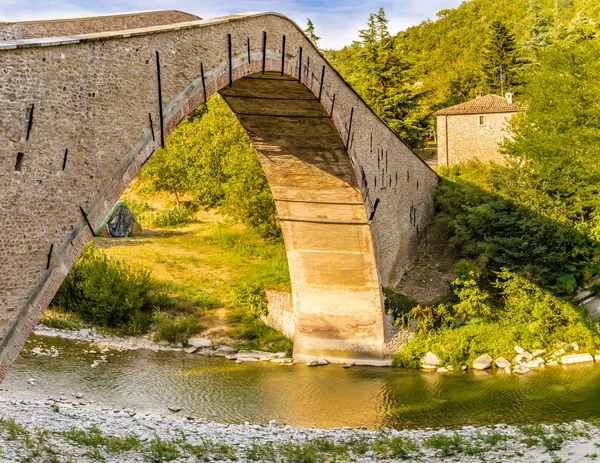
430,361
501,362
199,342
539,352
576,358
483,362
523,352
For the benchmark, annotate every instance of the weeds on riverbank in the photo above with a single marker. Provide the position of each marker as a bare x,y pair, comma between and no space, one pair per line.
93,443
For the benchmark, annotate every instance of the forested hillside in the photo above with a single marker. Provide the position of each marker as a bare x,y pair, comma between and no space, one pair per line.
442,61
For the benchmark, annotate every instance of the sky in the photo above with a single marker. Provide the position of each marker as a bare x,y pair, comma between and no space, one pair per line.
337,21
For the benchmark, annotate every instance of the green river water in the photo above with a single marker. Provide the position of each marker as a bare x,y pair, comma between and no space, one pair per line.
328,396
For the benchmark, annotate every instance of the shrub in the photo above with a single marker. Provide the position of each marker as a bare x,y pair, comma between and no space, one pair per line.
398,306
165,218
107,293
531,317
251,297
175,330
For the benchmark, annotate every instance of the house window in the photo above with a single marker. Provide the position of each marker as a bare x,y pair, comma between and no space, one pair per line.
481,121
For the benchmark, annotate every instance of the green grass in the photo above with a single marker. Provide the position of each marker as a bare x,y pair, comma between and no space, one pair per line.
205,266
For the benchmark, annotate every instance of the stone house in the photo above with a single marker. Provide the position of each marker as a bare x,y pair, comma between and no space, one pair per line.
473,130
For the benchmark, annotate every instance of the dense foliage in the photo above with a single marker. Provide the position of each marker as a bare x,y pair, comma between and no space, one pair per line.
530,227
442,62
108,294
209,157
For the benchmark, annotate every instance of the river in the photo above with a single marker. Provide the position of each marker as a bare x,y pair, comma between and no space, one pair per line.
327,396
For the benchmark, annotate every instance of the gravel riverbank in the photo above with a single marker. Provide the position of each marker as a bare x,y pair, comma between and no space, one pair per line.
103,341
69,428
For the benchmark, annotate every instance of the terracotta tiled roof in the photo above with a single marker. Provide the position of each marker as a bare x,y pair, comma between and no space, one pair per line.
481,105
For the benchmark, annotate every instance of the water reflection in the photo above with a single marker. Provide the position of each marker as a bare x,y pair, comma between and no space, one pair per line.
330,396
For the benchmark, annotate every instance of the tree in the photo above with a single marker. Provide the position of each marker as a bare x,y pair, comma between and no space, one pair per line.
499,59
539,32
556,145
310,32
208,157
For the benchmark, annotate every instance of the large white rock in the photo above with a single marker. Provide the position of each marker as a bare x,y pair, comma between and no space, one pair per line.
523,352
200,342
501,362
521,369
431,360
539,352
576,358
483,362
317,362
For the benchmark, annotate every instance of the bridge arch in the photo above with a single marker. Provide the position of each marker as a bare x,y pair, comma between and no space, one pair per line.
72,107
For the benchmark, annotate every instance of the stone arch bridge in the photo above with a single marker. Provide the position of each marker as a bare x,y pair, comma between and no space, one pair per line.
85,102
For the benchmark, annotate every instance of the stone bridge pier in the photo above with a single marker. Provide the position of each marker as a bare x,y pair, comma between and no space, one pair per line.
85,102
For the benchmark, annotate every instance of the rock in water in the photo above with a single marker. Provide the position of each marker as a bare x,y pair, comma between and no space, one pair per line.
200,342
430,361
174,409
349,365
317,362
191,350
501,362
521,369
483,362
576,358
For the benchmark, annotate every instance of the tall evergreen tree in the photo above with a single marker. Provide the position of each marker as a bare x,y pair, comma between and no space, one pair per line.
310,32
499,59
539,33
383,79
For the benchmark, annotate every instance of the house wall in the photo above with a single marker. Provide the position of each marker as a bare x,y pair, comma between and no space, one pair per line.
466,140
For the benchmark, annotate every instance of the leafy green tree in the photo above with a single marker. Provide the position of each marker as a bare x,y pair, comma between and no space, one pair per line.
499,58
557,140
310,32
209,157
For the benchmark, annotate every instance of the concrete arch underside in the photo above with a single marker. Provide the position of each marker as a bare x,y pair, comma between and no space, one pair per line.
81,114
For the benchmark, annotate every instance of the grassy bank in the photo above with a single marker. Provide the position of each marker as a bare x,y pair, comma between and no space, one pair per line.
204,277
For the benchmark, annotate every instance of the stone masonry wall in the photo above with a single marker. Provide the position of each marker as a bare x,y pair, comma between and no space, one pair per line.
86,105
20,30
467,140
281,312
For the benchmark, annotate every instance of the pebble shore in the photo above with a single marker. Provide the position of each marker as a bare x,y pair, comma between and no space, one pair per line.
58,414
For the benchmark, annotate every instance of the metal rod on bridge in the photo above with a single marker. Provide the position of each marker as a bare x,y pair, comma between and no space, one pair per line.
230,60
30,123
65,158
321,85
87,221
49,256
203,81
264,57
349,129
283,54
160,106
300,66
332,105
372,214
249,58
